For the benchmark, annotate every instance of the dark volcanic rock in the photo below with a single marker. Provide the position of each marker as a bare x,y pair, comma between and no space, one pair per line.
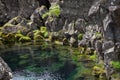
73,9
5,71
44,2
36,17
111,31
19,24
12,8
109,49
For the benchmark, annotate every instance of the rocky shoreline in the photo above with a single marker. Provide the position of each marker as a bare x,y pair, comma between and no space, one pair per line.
94,29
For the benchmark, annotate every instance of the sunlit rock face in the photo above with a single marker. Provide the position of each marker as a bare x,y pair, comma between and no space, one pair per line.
73,9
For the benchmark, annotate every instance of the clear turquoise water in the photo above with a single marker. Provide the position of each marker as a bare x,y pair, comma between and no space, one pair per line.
45,62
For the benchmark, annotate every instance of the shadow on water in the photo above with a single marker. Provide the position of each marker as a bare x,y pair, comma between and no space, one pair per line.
36,62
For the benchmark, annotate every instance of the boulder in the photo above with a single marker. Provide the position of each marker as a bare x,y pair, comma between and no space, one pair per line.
36,17
5,71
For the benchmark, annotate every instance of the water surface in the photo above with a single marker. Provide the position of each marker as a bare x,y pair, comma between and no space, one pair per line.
46,62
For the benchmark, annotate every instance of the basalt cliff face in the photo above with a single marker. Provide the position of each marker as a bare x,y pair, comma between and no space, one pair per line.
73,9
108,49
12,8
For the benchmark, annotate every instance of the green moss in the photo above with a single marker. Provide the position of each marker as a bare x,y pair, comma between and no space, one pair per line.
98,35
98,71
40,35
116,76
1,29
8,39
53,11
36,32
80,36
93,57
44,31
81,49
38,38
24,39
18,35
115,64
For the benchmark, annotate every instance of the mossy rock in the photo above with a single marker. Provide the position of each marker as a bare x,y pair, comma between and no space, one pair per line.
24,39
31,35
36,32
38,38
115,76
16,20
53,11
44,32
58,42
98,71
81,49
115,65
43,29
9,38
93,57
80,36
0,28
18,36
2,34
8,28
15,24
89,51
